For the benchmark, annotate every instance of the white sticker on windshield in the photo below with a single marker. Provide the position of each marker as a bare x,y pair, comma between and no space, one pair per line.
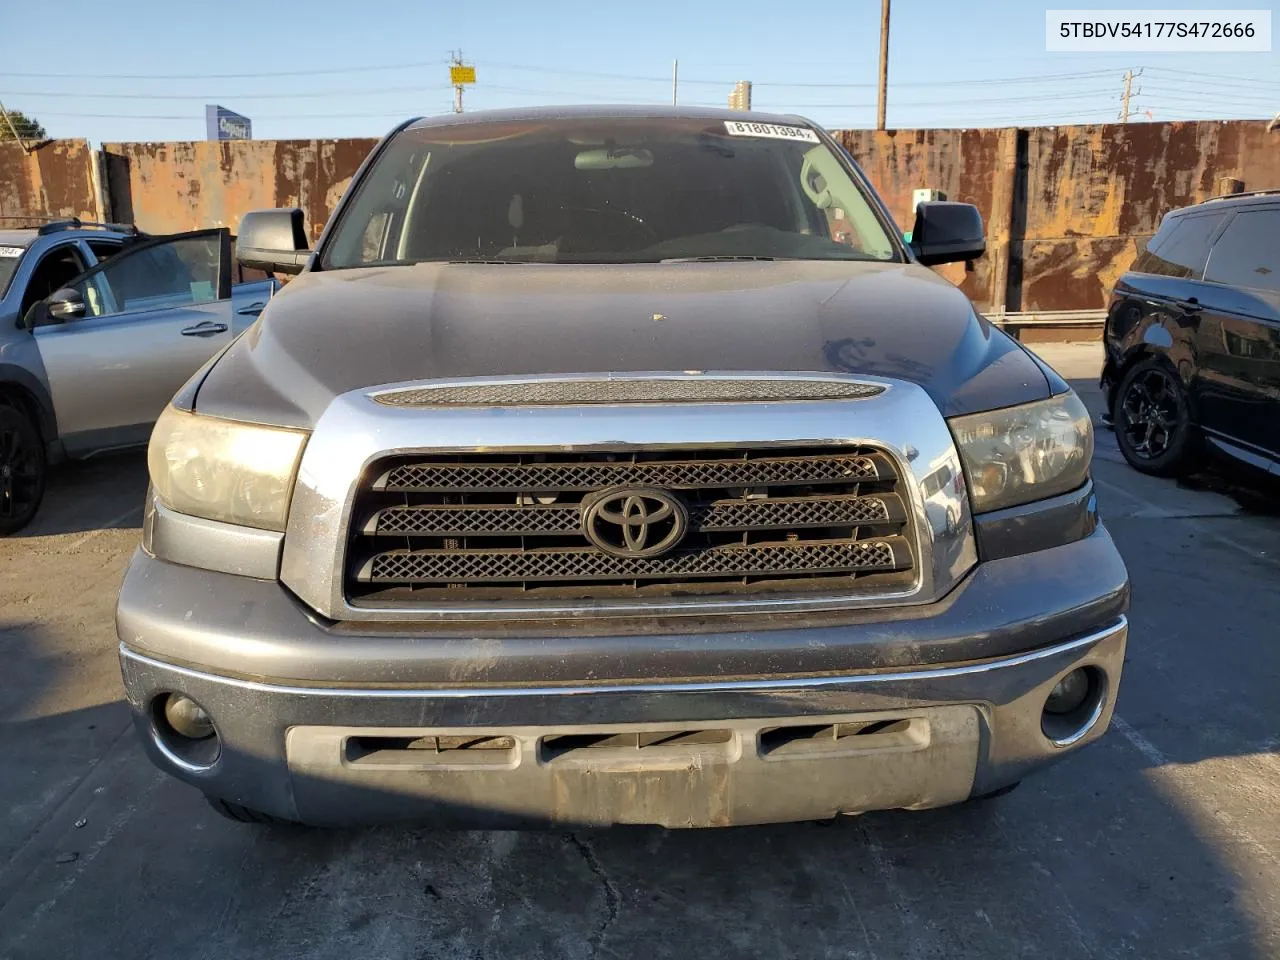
11,251
775,131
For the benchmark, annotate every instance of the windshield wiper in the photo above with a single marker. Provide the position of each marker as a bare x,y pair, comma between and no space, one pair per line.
714,259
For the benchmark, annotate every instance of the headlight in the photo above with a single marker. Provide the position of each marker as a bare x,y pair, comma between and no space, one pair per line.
222,470
1025,453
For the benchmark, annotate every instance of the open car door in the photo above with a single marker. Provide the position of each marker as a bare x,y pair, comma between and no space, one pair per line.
119,340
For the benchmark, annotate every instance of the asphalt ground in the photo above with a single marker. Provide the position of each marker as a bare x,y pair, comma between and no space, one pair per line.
1162,840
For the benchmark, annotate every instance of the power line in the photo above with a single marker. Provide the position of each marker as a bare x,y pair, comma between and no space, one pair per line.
1209,98
795,83
401,114
1178,112
1215,76
233,76
1216,95
427,88
1203,83
209,97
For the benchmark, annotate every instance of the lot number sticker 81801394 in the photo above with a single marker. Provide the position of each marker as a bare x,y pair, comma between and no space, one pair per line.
775,131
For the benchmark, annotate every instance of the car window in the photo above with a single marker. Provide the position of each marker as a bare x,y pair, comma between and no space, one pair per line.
175,273
608,191
104,249
1248,252
1180,247
55,270
9,259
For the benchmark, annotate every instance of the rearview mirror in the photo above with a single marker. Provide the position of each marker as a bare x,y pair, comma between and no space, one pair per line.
273,240
66,304
947,232
613,158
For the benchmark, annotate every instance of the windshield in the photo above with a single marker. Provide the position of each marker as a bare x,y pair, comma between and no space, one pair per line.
9,259
607,191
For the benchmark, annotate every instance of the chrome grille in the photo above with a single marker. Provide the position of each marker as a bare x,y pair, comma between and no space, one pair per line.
699,389
497,526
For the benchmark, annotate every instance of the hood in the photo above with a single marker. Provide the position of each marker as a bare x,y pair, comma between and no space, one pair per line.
330,332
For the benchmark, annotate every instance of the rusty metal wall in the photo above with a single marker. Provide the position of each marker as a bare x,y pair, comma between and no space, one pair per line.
1066,208
55,179
966,165
170,187
1094,194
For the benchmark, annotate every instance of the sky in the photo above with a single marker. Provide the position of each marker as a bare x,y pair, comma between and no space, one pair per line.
144,69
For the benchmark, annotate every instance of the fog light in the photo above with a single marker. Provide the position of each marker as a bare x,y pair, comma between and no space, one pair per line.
187,718
1069,692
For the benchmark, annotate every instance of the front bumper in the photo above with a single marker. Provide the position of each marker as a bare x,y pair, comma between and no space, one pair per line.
691,724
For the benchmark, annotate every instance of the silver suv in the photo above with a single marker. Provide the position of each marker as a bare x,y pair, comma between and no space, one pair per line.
99,326
618,465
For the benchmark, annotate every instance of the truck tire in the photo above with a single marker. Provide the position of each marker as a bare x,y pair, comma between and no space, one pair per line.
22,469
243,814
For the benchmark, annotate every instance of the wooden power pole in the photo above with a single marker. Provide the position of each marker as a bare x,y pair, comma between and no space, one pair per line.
457,87
1125,97
884,63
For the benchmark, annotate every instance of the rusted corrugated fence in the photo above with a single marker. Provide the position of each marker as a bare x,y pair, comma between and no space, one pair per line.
56,179
168,187
1065,207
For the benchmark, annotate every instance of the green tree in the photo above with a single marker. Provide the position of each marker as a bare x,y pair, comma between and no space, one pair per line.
27,127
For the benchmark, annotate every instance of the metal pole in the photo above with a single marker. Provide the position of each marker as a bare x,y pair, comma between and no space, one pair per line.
675,80
884,63
12,129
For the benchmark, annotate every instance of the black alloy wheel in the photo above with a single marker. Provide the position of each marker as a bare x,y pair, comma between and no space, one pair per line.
1152,422
21,469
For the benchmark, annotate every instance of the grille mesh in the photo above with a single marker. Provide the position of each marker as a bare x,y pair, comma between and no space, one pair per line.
637,390
597,475
733,515
444,528
476,566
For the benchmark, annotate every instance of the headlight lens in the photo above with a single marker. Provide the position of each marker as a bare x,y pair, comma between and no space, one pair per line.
1025,453
222,470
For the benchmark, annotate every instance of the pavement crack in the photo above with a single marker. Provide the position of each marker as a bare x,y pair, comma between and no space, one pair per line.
612,899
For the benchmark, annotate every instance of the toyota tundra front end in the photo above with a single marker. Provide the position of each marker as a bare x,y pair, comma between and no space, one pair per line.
618,466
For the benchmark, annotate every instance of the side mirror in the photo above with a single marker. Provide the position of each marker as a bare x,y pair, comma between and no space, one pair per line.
273,240
66,304
946,232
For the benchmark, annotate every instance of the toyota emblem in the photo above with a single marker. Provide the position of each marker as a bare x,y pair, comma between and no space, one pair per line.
634,521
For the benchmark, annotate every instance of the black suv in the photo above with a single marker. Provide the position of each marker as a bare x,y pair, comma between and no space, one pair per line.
1193,338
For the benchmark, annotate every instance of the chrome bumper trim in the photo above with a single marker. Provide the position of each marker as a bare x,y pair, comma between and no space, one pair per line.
701,686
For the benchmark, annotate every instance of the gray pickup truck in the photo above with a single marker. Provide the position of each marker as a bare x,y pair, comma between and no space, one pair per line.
618,466
99,326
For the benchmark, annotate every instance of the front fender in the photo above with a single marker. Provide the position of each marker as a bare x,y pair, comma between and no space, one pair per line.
35,388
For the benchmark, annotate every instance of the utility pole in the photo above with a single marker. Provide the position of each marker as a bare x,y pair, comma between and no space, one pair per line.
675,80
884,63
1128,94
457,87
